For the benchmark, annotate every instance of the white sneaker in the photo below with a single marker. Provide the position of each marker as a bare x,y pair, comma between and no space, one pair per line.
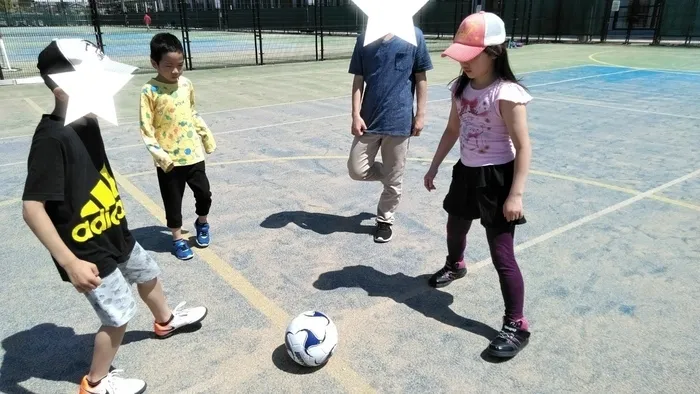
113,384
181,318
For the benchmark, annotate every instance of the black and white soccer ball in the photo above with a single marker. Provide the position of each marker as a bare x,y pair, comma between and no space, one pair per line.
311,339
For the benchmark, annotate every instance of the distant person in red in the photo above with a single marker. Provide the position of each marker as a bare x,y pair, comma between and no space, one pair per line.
147,21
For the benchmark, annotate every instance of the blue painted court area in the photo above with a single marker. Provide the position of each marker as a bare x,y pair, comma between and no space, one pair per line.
609,255
118,43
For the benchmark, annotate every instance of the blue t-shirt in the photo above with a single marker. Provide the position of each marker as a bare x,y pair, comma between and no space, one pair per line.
389,68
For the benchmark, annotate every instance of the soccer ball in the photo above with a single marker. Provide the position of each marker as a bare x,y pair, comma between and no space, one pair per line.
311,339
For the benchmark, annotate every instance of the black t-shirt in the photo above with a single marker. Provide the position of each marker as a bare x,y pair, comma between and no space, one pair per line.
69,170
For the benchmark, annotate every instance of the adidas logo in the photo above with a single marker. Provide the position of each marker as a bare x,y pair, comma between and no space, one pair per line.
102,211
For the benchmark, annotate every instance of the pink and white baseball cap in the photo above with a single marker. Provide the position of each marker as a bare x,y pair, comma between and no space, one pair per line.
475,33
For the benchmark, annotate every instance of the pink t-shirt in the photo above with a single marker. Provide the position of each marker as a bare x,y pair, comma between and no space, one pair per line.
483,137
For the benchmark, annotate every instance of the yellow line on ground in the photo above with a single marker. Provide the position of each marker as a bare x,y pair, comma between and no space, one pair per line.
592,57
675,202
586,182
424,160
34,105
10,202
544,237
337,368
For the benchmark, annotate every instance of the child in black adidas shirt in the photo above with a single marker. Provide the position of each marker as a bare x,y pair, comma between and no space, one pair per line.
73,206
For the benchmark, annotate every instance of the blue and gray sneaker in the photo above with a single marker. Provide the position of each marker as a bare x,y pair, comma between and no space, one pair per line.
202,233
181,250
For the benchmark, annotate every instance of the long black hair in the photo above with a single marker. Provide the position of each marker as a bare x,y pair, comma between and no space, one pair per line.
501,68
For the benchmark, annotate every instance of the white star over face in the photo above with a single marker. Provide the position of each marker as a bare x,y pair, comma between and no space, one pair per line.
91,91
390,17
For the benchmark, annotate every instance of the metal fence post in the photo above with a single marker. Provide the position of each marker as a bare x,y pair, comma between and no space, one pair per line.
631,7
320,22
96,24
184,29
259,30
691,27
606,21
316,16
515,20
1,42
560,6
1,75
660,5
529,21
255,35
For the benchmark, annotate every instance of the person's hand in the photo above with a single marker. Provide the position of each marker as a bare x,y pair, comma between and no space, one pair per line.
418,124
513,208
84,276
358,126
429,178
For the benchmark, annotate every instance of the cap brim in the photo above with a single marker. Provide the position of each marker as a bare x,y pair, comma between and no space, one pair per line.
462,53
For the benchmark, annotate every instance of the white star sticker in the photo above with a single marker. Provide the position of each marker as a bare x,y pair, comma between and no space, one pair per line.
91,91
390,17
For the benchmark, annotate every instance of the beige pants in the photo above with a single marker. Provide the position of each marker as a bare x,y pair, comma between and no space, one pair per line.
363,167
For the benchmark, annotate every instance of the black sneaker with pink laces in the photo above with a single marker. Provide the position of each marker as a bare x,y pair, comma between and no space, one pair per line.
447,274
511,340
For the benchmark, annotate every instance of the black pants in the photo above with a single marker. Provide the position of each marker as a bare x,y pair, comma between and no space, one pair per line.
172,189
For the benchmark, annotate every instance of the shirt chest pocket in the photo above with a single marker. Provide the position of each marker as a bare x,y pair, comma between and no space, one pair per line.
403,61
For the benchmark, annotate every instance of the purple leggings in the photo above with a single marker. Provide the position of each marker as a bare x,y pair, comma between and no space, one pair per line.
503,257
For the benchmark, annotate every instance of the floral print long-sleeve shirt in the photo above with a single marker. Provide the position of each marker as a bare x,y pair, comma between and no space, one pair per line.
174,133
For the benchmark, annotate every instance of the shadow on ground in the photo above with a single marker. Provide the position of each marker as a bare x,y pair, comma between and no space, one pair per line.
285,363
414,292
320,223
157,239
50,352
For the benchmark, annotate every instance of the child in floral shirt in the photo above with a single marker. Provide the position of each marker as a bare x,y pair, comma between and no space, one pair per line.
177,137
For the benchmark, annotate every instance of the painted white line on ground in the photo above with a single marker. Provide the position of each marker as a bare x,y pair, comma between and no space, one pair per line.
346,96
564,81
590,103
34,105
583,78
16,163
591,217
536,241
10,202
290,103
330,116
592,57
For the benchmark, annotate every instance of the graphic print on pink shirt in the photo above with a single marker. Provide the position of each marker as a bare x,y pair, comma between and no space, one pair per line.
484,138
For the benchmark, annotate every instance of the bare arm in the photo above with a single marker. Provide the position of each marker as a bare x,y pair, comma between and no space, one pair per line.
358,124
447,142
83,275
358,88
34,214
421,94
515,117
422,102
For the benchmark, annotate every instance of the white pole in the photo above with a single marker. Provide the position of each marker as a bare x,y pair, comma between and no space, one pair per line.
3,52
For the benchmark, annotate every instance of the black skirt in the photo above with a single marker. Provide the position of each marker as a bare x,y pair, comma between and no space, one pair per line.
480,193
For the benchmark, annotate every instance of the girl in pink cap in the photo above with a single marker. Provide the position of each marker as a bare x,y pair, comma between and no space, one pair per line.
490,120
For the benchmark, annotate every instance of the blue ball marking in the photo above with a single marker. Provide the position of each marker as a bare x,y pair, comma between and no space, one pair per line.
311,339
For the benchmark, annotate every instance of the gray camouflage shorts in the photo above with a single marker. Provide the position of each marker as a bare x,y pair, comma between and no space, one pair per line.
113,300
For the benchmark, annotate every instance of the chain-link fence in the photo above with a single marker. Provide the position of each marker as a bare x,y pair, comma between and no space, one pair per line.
224,33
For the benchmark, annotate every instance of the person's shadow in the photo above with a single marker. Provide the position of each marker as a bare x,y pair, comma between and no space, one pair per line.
157,239
413,292
320,223
154,238
49,352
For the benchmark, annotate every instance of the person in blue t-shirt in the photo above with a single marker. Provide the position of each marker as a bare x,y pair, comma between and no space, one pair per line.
388,72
